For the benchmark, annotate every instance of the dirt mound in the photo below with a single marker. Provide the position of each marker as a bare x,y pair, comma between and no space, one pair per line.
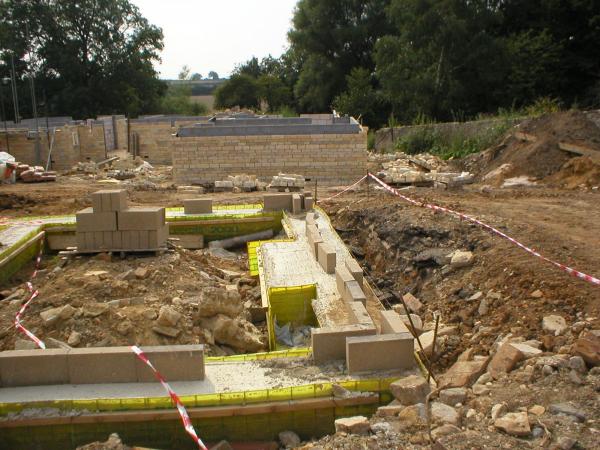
531,150
580,171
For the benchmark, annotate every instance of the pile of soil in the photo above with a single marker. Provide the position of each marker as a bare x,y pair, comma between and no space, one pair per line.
542,159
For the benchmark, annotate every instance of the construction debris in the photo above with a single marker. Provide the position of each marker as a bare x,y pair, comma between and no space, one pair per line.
421,170
287,182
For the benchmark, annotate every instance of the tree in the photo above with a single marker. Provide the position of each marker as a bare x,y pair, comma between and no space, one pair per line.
196,77
213,75
90,57
240,90
184,73
272,90
330,38
178,101
361,98
442,59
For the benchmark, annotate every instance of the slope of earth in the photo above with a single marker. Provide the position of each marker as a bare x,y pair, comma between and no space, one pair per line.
541,159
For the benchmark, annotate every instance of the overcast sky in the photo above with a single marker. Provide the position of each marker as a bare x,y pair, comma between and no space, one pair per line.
217,34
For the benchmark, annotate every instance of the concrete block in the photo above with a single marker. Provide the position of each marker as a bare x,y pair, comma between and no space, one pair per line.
380,352
33,367
109,200
158,238
88,220
326,257
117,238
308,203
342,276
277,202
174,362
310,217
141,218
329,344
355,269
354,293
314,239
102,365
392,323
359,311
296,204
190,241
143,234
80,238
198,206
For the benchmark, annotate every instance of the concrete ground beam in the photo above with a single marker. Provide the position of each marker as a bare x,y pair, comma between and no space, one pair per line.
380,352
391,323
329,344
326,256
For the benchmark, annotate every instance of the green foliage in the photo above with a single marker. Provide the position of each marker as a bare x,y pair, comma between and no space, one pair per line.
90,57
454,143
240,90
286,111
371,138
177,101
274,92
360,99
543,105
330,38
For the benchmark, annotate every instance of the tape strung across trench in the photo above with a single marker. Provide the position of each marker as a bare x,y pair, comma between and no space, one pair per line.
576,273
345,190
564,268
185,418
33,293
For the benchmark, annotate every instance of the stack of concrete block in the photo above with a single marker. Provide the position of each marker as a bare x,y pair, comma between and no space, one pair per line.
198,206
243,182
111,225
323,252
283,181
292,202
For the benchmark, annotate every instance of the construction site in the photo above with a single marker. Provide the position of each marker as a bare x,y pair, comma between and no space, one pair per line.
259,282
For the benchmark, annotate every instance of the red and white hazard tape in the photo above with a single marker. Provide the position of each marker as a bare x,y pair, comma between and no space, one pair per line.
33,293
185,418
345,190
564,268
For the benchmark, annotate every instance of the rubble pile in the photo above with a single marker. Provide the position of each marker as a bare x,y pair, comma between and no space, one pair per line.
29,174
286,181
183,297
239,183
421,170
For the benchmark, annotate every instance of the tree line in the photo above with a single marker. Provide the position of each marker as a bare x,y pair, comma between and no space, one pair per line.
399,60
380,60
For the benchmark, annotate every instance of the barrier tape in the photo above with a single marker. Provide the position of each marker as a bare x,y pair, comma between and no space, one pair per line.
33,294
185,418
563,267
345,190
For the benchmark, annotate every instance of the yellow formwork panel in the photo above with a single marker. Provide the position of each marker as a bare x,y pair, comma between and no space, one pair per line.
290,305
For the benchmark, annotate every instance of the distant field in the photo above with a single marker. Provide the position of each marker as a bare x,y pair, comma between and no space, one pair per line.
208,100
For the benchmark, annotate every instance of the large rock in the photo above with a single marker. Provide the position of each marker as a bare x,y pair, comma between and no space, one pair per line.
353,425
219,301
505,359
556,325
527,350
168,316
461,259
52,316
410,390
442,413
413,304
463,373
568,409
412,415
516,424
453,396
416,320
588,347
239,334
289,439
444,430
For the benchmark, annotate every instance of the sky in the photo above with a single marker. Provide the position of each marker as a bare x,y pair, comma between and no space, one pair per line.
217,34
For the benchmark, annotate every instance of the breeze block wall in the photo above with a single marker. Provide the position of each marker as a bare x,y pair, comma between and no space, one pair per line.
328,158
